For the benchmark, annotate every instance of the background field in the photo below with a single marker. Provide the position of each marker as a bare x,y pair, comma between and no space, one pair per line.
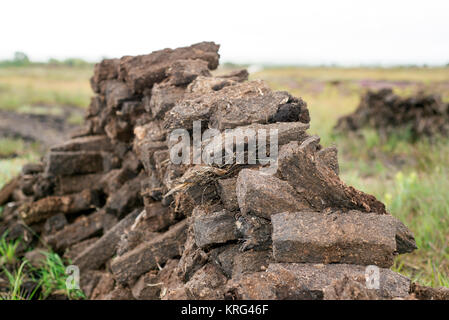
411,179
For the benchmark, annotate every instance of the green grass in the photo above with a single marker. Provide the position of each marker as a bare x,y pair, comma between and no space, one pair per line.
16,279
18,147
52,278
8,250
75,119
421,202
44,85
417,194
40,110
49,278
11,167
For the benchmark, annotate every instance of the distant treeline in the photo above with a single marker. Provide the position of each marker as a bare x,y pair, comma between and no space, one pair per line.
20,59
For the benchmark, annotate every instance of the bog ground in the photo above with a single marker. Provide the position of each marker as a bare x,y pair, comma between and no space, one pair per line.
412,179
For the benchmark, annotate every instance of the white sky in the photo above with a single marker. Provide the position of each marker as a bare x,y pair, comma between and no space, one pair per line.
296,32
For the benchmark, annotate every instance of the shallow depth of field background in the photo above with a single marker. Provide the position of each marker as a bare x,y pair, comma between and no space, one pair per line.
411,179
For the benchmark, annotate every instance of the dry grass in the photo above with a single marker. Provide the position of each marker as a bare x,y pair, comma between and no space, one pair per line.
40,85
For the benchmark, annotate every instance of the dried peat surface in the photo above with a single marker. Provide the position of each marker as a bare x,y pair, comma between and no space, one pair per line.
139,226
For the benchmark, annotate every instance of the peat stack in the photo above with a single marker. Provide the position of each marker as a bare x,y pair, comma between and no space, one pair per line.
424,115
141,226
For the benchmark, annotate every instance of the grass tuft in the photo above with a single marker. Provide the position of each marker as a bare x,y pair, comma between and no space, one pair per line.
8,250
52,278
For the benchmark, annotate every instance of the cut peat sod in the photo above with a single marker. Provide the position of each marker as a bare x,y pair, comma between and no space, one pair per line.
139,226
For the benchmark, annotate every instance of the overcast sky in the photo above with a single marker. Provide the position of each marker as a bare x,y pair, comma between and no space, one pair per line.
346,32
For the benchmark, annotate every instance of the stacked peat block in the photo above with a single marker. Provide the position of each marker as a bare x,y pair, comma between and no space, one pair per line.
141,227
424,115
